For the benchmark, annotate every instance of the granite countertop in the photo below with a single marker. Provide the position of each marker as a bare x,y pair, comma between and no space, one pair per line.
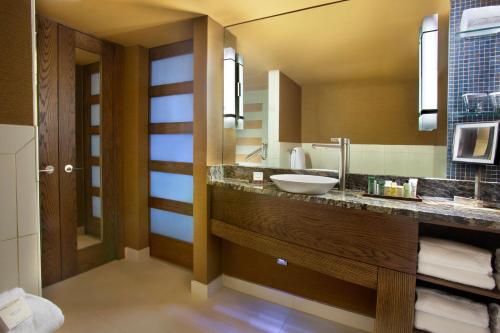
430,209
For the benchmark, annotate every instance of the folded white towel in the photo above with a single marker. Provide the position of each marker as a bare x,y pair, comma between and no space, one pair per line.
455,255
457,275
9,296
452,307
435,324
47,317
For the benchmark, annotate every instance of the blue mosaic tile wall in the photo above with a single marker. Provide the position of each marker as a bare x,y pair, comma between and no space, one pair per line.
473,67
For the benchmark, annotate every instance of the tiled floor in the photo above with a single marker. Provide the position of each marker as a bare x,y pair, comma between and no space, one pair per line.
153,296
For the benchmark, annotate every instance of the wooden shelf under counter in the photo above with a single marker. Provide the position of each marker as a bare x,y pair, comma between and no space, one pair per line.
494,294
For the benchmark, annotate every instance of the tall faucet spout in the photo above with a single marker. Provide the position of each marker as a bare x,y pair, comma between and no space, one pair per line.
343,145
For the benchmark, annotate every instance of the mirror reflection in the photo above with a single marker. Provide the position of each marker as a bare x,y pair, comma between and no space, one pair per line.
88,144
318,74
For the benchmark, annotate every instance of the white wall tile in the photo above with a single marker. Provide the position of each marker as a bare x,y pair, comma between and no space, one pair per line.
9,277
13,137
396,164
27,210
373,162
29,269
8,219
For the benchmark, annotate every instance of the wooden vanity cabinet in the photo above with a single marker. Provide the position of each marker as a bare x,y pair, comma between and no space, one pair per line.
371,249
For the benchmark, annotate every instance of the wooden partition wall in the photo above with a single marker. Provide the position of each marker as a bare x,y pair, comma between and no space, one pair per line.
171,157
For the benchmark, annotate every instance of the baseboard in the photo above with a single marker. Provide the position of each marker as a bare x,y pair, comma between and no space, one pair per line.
201,291
136,255
321,310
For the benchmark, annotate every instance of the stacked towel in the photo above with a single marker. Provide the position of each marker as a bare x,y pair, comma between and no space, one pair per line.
46,318
438,312
494,310
10,296
456,262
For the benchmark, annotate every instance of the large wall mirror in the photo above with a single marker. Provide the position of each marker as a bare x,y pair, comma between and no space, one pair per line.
349,69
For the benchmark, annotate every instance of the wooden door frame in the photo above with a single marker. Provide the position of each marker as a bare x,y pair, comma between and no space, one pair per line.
109,248
55,47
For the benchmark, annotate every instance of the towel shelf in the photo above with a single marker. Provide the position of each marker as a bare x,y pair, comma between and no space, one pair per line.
494,294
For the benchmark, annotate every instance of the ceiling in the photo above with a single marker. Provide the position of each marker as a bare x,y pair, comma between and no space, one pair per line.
354,40
132,22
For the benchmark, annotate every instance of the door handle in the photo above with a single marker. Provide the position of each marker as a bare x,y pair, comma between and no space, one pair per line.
49,169
69,168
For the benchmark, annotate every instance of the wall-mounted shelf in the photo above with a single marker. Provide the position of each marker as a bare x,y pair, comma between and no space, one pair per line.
494,294
473,115
478,32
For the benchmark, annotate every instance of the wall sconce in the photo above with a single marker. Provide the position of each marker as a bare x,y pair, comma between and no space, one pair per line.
233,89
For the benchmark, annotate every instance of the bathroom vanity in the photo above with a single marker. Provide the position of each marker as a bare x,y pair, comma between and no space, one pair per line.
372,243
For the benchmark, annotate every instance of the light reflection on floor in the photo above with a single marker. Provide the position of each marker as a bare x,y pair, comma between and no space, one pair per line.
153,296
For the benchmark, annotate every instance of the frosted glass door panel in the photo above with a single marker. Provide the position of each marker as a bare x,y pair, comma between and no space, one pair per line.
172,109
172,225
172,70
95,84
95,145
96,207
96,176
171,186
171,147
95,115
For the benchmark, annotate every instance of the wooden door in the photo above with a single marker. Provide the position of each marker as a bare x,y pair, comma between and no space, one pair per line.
65,193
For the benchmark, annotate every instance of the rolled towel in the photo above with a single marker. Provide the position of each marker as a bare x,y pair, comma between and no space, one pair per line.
494,310
47,317
457,275
455,255
452,307
435,324
10,296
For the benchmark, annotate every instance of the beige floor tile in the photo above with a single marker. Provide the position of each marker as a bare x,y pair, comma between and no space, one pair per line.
299,322
154,297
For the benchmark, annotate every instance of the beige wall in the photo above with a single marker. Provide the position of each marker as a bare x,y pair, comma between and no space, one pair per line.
16,82
367,112
290,100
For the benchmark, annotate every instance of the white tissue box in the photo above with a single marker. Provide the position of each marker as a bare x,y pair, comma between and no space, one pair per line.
14,314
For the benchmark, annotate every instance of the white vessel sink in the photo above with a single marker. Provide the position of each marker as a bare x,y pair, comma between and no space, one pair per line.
304,184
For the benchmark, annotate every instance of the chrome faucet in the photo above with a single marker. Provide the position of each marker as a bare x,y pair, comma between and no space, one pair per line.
343,144
262,151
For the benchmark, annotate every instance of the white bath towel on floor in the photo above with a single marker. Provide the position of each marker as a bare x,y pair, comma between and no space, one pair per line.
455,255
452,307
435,324
9,296
457,275
494,310
47,317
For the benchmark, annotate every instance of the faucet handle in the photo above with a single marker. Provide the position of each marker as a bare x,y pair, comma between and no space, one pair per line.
340,141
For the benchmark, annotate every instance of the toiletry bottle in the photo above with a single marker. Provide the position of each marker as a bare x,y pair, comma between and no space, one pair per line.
380,187
394,186
399,191
371,184
407,190
413,183
387,188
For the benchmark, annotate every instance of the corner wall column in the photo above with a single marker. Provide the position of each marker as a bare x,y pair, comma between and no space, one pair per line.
207,139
